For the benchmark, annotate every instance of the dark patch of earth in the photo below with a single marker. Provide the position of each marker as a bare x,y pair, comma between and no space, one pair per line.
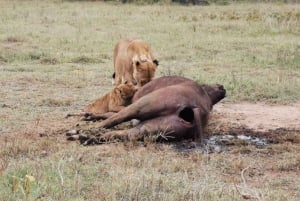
220,139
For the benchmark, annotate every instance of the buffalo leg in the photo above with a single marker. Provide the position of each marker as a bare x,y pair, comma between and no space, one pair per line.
198,131
82,114
142,109
166,128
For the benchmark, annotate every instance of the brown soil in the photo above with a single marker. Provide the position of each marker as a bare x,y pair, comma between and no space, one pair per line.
260,116
276,123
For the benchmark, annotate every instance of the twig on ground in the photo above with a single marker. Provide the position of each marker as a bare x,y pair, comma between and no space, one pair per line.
246,192
59,171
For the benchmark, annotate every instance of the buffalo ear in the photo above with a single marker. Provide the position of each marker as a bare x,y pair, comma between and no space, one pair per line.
156,62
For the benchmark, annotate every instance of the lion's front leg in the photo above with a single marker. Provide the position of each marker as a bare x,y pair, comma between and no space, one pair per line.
116,108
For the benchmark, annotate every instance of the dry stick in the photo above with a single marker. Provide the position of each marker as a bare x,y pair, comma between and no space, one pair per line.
245,186
59,172
242,175
164,134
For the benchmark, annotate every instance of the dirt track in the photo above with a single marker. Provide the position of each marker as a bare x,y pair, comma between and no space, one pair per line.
260,116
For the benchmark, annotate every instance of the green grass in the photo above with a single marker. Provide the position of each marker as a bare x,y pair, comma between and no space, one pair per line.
56,56
209,44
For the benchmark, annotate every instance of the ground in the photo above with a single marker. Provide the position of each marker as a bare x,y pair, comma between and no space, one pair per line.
56,56
260,116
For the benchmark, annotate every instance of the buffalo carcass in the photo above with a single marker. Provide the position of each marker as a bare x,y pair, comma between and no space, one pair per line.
170,107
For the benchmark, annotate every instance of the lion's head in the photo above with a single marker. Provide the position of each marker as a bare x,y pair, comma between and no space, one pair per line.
143,69
125,92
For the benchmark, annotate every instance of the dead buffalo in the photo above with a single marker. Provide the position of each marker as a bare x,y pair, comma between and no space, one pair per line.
172,107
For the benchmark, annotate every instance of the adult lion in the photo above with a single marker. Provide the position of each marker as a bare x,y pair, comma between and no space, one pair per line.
133,62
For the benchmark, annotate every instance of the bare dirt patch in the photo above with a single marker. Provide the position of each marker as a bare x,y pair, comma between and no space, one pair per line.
255,123
260,116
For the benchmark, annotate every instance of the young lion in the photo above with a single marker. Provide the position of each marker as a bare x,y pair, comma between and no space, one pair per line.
113,101
133,62
108,104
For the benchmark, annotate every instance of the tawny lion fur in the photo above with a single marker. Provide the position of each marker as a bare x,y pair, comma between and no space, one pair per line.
133,62
113,101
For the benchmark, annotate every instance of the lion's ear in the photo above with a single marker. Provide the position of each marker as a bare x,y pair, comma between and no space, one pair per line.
135,59
117,90
155,62
137,63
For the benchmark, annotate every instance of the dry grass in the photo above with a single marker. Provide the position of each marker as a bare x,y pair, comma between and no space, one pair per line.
54,56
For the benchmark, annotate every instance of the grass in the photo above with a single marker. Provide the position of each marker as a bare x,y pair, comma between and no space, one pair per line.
56,56
208,45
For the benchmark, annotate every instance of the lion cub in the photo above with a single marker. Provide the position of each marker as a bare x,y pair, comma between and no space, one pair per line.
113,101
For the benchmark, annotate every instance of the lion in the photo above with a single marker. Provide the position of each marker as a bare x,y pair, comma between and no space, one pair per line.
110,103
133,62
113,101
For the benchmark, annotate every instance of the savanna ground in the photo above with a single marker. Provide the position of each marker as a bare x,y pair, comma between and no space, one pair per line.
56,56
